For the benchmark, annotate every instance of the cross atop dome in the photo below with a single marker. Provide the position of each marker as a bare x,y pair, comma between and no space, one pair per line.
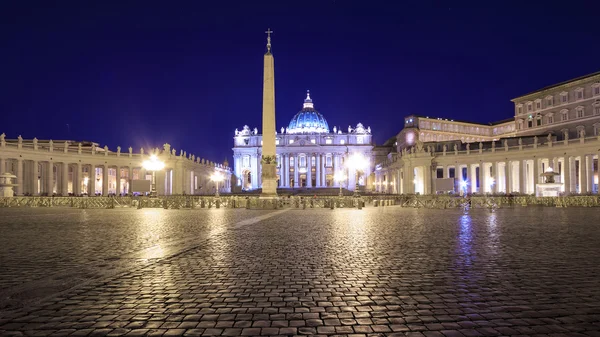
308,101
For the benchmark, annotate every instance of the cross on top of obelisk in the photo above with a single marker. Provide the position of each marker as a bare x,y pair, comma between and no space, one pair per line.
268,32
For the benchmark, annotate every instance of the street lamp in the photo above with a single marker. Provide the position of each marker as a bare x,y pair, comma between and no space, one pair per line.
358,163
153,165
339,177
217,177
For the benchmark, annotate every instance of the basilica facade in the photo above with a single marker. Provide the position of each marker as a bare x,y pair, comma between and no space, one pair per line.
554,130
309,153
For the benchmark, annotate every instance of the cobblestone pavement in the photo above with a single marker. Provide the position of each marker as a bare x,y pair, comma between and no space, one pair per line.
380,271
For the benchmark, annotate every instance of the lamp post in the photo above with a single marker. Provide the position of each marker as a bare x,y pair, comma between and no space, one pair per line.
340,177
217,177
153,165
357,162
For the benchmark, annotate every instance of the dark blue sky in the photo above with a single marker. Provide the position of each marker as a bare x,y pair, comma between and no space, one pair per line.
188,73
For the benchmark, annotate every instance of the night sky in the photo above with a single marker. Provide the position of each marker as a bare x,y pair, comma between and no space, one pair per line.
189,73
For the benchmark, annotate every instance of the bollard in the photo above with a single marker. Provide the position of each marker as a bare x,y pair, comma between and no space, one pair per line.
202,203
112,203
359,204
165,204
218,204
303,204
332,204
139,204
375,203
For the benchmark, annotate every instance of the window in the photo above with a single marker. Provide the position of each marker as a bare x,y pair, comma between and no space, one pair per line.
291,141
246,161
550,119
538,121
530,123
520,124
328,161
529,107
597,90
549,101
538,104
564,97
564,116
302,161
579,93
313,141
579,112
342,142
328,141
597,109
313,161
519,109
359,140
292,162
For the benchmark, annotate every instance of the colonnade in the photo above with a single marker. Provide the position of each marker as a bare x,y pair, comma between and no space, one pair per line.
511,171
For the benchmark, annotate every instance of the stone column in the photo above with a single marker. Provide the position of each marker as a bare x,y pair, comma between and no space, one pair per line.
590,174
521,170
296,166
318,170
118,181
309,170
65,179
471,183
287,170
50,179
19,189
567,174
77,180
2,165
583,175
105,180
334,163
536,174
507,177
34,177
91,180
481,177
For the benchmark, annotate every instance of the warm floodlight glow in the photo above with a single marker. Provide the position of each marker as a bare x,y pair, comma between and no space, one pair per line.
549,169
217,177
153,164
340,176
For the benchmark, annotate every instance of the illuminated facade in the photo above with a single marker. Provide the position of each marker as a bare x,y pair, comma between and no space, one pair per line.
554,129
309,153
66,168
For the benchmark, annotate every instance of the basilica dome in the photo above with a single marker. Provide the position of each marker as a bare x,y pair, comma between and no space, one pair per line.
308,120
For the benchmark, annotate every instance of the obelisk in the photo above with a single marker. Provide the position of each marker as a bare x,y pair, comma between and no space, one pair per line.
268,160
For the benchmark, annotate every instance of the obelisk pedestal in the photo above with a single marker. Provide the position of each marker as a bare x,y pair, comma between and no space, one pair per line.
269,158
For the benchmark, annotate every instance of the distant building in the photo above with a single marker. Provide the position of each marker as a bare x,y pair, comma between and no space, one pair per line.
556,128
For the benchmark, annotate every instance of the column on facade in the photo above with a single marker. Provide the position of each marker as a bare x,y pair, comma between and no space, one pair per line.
521,171
318,170
259,171
50,178
536,173
34,177
19,188
105,180
334,169
583,174
567,174
77,180
481,177
91,180
507,177
323,170
2,165
471,183
118,181
296,166
590,172
309,170
65,179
